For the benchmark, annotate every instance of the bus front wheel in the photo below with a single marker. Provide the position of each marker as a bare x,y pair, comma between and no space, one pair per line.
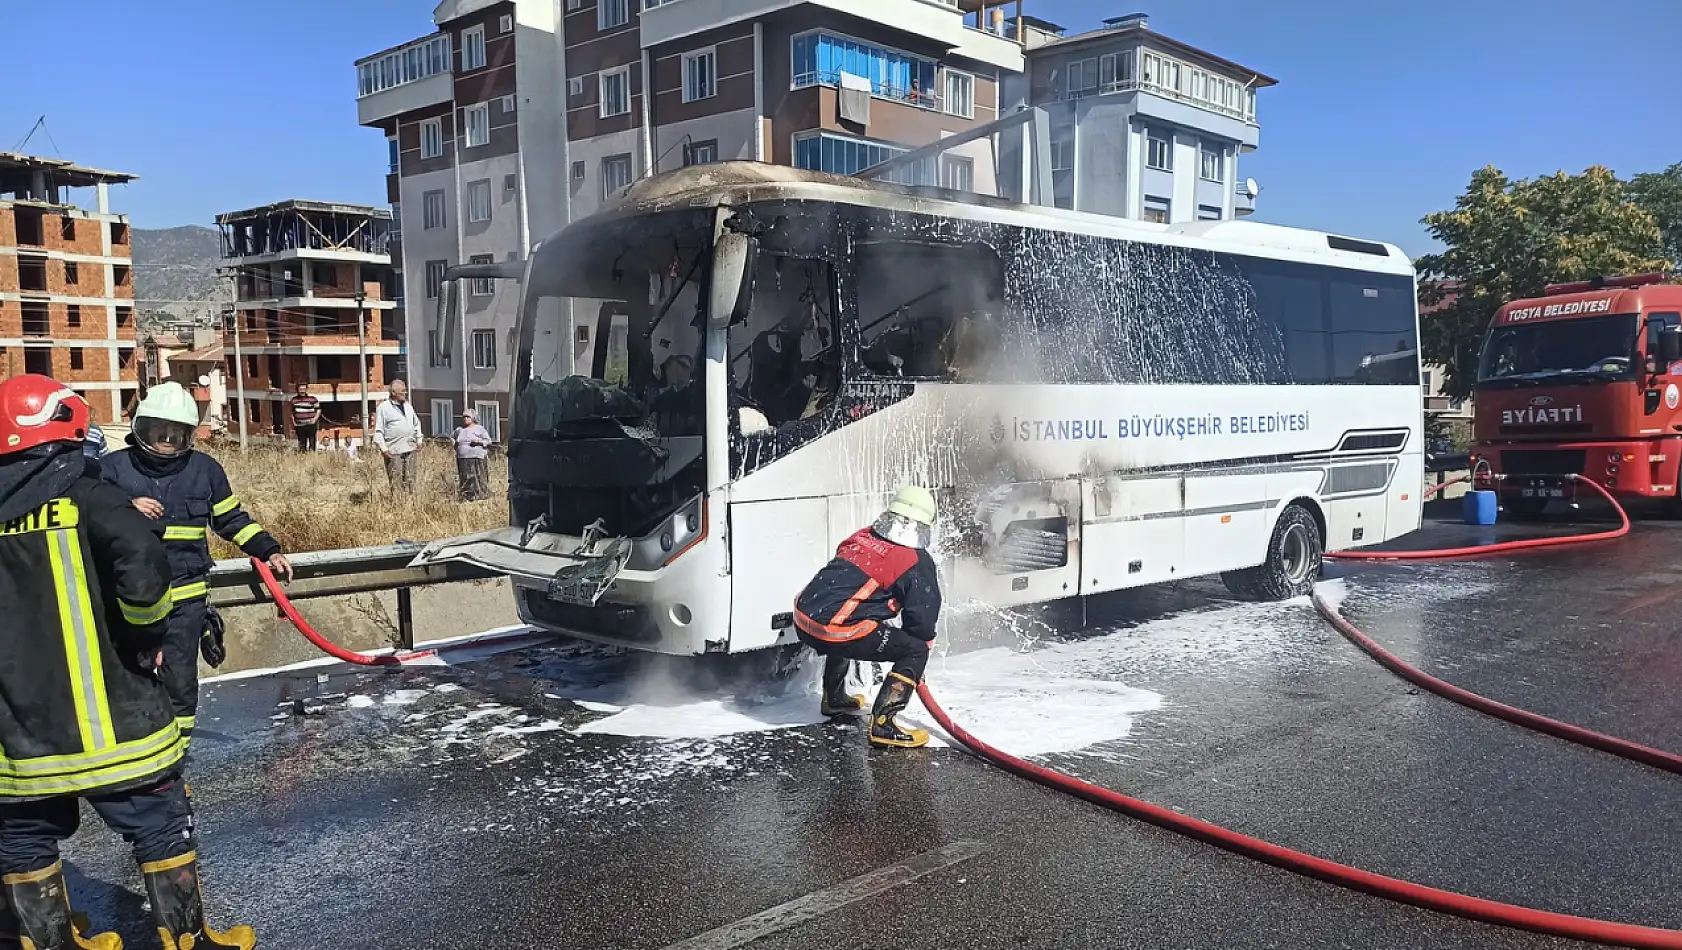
1293,560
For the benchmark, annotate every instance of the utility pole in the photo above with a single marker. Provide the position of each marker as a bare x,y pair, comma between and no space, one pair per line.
362,354
239,364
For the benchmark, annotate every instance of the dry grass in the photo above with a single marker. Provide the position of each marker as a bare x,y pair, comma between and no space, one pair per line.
326,500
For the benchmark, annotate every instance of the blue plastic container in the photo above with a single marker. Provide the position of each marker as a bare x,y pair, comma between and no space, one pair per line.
1478,507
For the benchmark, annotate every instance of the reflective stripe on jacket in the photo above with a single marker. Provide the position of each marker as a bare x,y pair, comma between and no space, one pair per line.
195,497
870,580
84,587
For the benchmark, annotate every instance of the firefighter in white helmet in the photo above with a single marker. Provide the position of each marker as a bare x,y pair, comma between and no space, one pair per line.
185,493
877,600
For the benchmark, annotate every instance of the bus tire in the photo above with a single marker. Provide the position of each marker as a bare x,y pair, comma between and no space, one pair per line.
1293,560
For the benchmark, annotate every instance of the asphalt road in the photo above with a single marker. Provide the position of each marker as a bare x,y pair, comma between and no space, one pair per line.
421,811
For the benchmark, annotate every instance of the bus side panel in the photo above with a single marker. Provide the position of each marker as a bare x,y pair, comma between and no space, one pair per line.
776,547
1351,522
1135,532
973,578
1228,519
1406,497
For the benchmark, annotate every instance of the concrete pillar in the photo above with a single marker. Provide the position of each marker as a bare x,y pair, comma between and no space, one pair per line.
103,193
38,185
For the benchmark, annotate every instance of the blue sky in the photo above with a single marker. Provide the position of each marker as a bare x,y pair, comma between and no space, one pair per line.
1382,112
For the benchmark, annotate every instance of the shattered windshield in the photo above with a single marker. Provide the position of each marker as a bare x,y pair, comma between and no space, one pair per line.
613,329
1588,347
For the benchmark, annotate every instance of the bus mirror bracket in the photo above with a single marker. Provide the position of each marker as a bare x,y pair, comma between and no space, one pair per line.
734,254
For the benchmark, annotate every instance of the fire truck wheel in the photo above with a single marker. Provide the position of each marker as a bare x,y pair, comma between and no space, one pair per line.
1524,509
1293,561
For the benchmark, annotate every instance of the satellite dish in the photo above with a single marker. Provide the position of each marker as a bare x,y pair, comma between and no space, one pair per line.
1251,189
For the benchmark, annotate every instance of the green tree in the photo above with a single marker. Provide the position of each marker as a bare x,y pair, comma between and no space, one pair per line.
1661,194
1507,239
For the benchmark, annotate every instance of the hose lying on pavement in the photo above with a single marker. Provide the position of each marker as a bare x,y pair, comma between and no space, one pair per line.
1499,546
1418,895
325,645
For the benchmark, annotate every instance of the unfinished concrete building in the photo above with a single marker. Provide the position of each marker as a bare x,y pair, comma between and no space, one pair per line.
305,273
66,281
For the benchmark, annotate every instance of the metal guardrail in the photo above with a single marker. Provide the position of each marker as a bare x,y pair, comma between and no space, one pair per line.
234,582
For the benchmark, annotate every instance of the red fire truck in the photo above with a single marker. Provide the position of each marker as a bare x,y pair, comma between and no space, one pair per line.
1582,381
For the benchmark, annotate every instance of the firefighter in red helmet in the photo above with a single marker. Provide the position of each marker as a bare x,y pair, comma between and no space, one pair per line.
84,587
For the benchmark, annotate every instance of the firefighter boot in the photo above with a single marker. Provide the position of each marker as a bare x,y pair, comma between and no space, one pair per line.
836,700
39,903
9,926
178,908
890,702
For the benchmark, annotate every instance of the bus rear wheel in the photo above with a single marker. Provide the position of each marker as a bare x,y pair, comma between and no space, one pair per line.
1294,553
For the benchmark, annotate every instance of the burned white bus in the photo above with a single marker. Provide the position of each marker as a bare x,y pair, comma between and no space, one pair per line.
733,366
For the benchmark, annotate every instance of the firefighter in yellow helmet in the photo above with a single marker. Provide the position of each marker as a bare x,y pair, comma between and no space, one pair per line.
84,588
185,493
877,600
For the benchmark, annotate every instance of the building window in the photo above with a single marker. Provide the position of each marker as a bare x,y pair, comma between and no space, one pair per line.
1062,154
443,416
482,286
1159,151
575,86
72,274
616,174
484,349
1425,379
574,5
842,155
397,217
1209,161
73,313
1081,79
506,23
820,58
432,210
700,153
392,153
435,355
67,228
473,49
435,278
478,125
489,414
700,75
479,200
76,358
612,13
1115,71
410,64
960,94
1156,209
957,173
577,171
616,92
508,105
1208,213
432,138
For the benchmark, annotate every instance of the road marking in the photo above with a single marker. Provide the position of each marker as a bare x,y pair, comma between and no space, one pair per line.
818,903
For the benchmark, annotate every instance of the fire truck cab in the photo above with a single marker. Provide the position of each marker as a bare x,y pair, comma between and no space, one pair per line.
1581,381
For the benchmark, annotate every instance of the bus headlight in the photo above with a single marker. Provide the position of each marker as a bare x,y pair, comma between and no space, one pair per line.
682,530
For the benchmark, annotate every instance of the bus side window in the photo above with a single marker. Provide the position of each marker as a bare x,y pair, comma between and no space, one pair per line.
928,311
785,359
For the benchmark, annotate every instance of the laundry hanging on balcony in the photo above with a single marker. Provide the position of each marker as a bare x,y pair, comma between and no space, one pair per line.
854,98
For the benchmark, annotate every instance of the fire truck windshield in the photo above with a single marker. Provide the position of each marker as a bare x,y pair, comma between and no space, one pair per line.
1588,347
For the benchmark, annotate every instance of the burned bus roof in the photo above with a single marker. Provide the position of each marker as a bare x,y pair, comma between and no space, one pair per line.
740,183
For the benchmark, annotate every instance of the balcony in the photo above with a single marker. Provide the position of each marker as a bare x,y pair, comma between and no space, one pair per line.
941,21
411,76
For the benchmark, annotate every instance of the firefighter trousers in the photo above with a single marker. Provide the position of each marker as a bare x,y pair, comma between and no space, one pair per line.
886,644
156,822
180,671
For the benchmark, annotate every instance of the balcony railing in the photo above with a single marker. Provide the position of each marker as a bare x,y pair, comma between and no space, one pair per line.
921,98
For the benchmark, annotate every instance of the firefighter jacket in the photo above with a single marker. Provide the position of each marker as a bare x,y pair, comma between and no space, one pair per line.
84,587
193,488
869,581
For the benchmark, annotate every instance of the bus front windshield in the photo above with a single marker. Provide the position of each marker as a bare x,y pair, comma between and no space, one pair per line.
1587,347
613,330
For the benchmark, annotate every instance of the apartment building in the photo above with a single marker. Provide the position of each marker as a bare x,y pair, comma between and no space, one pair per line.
305,274
66,281
1143,126
517,116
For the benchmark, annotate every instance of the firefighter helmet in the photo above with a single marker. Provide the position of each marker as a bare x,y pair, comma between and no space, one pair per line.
36,409
916,503
166,420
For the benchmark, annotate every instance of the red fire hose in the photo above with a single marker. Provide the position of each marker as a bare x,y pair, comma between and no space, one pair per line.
1430,898
1499,546
325,645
